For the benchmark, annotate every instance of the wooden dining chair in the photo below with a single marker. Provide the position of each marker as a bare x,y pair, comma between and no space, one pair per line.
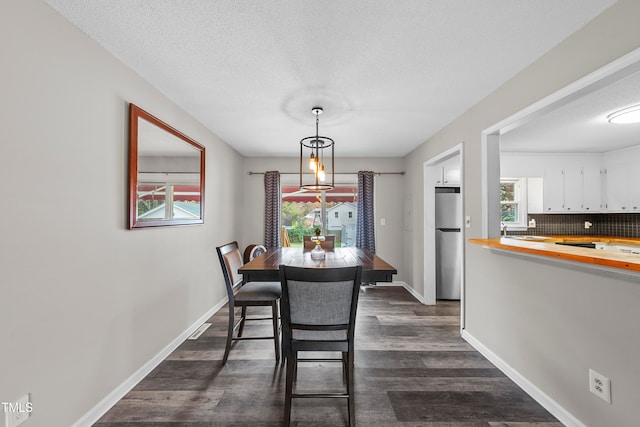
318,310
329,242
245,295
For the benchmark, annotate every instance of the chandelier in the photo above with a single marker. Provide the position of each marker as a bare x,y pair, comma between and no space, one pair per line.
320,160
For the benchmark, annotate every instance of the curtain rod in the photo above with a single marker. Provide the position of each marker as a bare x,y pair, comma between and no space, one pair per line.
337,173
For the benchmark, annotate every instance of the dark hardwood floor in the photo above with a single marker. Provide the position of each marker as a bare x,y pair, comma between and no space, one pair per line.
412,369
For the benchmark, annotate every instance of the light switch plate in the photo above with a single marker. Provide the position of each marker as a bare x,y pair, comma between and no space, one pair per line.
467,222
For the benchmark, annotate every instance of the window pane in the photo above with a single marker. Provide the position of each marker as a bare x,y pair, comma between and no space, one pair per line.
507,191
300,208
509,212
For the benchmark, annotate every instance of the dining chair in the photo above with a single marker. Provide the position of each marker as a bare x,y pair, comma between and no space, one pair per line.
318,310
245,295
329,242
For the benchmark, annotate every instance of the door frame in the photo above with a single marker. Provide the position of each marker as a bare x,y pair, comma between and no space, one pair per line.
429,238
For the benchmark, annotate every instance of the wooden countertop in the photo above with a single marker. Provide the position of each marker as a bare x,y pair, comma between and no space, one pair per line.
545,246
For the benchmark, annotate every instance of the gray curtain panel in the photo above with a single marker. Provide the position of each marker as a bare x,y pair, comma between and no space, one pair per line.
272,197
365,233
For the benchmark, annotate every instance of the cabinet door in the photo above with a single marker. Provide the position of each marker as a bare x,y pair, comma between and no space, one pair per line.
617,177
634,188
592,189
572,189
451,172
553,194
438,179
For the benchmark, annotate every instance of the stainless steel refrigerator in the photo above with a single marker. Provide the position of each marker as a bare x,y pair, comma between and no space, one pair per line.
448,222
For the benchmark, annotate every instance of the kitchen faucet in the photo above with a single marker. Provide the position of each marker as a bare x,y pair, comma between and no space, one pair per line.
504,229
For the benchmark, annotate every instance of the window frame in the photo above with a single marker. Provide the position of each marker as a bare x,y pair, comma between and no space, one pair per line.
520,200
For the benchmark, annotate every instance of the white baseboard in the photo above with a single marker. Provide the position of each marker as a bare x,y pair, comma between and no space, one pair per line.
412,291
118,393
538,395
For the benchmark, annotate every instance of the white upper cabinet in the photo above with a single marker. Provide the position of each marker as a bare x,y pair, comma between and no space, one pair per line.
634,189
617,179
553,193
573,189
592,189
449,173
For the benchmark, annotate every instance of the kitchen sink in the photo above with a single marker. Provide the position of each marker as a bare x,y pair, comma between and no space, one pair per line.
591,245
532,238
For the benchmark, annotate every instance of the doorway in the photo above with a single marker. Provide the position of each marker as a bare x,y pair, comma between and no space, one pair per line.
444,170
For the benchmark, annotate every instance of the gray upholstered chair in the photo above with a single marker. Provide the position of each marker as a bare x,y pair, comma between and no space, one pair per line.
318,310
245,295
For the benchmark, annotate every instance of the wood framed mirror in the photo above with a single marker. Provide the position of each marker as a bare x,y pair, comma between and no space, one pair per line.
166,174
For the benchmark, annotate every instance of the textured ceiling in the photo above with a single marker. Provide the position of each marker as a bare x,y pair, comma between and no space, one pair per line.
389,74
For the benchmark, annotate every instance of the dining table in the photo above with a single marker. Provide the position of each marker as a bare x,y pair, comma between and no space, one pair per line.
265,267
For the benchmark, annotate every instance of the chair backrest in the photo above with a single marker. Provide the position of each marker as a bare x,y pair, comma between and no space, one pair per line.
320,298
328,243
230,261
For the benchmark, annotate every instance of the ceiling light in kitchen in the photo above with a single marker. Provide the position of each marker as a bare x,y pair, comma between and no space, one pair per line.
626,115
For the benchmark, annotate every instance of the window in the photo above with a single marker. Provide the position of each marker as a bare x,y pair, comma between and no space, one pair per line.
302,213
513,206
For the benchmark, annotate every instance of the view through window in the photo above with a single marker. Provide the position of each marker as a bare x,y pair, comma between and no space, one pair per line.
302,213
510,200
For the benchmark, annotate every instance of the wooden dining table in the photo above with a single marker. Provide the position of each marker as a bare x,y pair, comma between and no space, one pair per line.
265,268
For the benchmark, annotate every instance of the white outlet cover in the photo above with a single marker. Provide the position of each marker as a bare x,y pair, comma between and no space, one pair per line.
600,385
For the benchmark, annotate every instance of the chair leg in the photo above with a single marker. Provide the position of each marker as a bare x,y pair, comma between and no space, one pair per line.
229,334
243,317
350,390
289,389
276,335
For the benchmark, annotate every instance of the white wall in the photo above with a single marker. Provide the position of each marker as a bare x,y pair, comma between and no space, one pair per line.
388,198
84,302
538,317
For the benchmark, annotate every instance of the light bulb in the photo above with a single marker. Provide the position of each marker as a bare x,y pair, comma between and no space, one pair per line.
321,174
312,162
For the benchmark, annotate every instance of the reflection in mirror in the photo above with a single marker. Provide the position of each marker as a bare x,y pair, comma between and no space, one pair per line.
166,174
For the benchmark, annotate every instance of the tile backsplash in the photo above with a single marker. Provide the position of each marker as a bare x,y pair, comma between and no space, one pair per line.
611,224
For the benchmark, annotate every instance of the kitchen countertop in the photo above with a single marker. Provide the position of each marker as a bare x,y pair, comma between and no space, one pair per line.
546,246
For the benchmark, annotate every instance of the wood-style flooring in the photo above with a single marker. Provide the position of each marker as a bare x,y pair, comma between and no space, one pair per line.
412,369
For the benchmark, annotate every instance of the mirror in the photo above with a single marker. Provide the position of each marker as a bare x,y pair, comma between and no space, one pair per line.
166,174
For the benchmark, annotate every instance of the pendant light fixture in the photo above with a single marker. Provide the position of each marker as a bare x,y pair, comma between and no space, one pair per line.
319,150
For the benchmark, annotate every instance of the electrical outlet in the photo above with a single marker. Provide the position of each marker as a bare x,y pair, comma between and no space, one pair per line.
17,412
600,385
